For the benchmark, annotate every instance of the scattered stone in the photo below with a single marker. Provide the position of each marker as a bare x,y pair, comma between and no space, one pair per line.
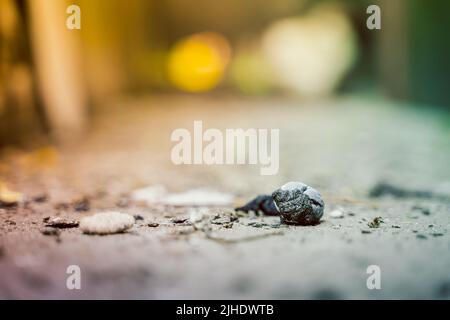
263,203
298,204
366,231
437,234
40,198
61,223
257,224
227,225
375,223
106,223
153,225
49,231
82,204
178,220
336,214
396,227
421,236
424,211
138,217
224,218
61,206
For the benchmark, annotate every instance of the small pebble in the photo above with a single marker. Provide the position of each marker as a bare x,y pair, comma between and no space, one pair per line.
366,231
396,227
138,217
298,204
106,223
421,236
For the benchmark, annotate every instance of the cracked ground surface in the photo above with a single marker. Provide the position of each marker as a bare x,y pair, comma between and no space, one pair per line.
342,147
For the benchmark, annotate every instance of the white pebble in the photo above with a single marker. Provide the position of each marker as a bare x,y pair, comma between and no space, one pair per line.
106,223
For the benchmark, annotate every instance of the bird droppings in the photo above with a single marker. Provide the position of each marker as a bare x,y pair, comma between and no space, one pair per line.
336,214
263,203
298,204
375,223
61,223
199,197
106,223
195,197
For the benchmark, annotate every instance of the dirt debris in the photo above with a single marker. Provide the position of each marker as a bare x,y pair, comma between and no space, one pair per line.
375,223
60,223
49,231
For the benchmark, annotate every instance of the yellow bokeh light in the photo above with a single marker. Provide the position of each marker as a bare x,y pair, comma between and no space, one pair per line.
197,63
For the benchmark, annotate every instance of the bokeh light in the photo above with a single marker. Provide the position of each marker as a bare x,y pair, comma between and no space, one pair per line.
198,63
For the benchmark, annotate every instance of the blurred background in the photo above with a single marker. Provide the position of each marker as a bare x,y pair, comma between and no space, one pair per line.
86,117
53,79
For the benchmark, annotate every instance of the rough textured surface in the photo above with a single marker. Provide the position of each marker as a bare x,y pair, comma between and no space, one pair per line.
298,204
106,223
343,148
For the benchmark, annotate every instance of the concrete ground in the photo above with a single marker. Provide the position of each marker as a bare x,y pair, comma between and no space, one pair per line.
343,147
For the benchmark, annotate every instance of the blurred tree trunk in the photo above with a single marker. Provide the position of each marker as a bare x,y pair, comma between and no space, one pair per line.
58,62
18,115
